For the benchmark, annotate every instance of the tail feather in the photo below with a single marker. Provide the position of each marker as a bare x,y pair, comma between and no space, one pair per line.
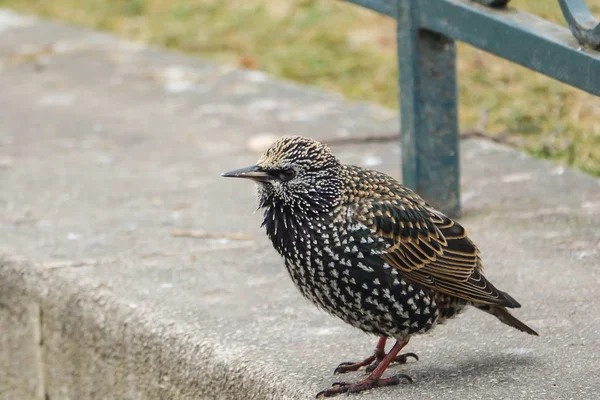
503,315
510,302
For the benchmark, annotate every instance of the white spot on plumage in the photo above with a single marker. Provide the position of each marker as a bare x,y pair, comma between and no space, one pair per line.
365,267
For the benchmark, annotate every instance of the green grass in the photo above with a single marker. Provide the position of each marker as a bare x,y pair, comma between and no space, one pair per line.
343,48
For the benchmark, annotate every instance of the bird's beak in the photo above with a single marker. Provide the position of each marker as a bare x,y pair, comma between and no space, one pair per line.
253,172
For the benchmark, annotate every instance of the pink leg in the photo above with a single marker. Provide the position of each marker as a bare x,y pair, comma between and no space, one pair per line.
377,356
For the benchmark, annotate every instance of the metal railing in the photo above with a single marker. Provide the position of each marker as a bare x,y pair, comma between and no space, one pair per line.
427,30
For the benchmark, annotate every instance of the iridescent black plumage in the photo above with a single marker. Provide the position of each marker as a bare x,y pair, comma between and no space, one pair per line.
368,250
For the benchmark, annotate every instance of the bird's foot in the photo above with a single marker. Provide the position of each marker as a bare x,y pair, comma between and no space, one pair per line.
365,384
400,359
371,363
355,366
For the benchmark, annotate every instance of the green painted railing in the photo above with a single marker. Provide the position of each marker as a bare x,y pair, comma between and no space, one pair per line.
427,30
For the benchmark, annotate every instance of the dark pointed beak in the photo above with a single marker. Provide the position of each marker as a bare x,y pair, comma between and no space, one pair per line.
253,172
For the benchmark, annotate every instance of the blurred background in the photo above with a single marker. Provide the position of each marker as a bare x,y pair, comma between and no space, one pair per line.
346,49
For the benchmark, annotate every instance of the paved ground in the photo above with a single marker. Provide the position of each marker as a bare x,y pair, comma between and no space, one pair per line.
107,148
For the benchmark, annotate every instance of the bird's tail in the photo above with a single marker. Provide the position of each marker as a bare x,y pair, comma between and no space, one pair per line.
503,315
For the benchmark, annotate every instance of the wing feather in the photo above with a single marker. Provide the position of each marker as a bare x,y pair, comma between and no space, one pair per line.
429,249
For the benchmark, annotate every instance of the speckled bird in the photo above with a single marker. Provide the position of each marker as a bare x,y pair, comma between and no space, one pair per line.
369,251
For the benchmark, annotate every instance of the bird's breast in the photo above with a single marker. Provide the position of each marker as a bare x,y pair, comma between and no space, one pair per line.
338,267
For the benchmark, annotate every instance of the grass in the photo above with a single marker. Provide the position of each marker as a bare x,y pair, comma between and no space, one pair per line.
346,49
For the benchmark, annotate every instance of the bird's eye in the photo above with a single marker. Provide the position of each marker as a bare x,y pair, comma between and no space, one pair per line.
287,174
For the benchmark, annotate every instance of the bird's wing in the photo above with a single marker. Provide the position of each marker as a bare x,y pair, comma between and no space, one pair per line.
428,248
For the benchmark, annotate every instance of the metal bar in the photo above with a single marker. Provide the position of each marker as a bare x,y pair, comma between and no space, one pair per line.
517,36
385,7
581,22
428,110
493,3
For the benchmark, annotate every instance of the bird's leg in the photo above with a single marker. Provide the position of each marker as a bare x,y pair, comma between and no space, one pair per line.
373,361
377,356
374,379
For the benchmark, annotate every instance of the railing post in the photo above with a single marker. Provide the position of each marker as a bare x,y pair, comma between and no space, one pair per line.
428,111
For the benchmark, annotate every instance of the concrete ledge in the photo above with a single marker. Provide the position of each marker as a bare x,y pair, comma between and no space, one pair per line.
76,340
107,148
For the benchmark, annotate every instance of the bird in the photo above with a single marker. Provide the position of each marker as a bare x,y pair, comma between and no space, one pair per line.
370,251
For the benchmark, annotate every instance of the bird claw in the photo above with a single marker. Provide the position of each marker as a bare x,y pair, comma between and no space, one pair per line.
370,363
365,384
400,359
353,366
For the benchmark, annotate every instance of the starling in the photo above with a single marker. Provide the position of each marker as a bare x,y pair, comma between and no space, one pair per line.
369,251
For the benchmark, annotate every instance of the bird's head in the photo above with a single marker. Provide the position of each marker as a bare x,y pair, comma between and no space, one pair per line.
297,173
